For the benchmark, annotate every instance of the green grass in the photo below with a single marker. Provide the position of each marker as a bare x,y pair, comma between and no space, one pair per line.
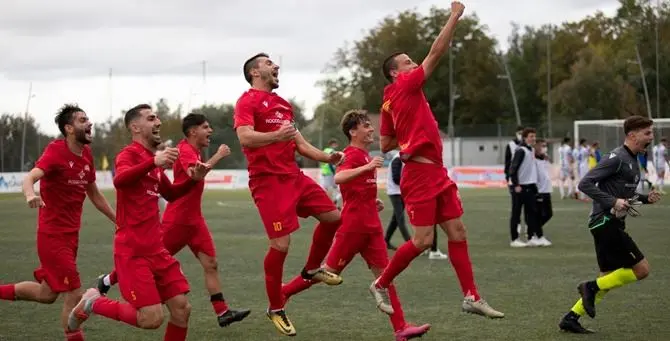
534,287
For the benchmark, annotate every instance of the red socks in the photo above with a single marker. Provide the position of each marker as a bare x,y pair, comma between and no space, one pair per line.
295,286
321,242
460,260
76,335
398,317
175,333
400,261
274,271
219,304
122,312
8,292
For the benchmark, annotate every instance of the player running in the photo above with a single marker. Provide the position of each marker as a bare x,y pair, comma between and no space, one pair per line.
183,223
148,275
281,192
430,195
66,173
660,152
612,186
361,231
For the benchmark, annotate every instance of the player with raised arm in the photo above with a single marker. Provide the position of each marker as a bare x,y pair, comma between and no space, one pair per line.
264,124
148,275
66,173
612,186
183,223
361,231
431,197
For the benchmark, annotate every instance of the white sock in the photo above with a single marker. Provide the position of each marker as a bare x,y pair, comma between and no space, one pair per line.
561,188
106,281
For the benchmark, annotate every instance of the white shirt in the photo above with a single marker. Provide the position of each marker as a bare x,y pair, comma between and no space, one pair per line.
391,187
659,152
565,154
543,179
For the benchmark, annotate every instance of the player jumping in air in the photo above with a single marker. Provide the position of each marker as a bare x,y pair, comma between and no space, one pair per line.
148,275
361,231
430,195
183,223
66,173
612,186
264,126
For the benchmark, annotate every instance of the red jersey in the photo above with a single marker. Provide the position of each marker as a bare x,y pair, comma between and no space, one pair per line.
63,187
187,209
359,213
138,184
406,115
266,112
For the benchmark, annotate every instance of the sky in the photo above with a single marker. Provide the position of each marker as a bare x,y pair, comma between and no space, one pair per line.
156,48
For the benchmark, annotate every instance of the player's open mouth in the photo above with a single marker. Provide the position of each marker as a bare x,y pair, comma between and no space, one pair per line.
156,133
208,137
88,133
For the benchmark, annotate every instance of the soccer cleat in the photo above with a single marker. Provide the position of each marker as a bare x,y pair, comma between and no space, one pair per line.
231,316
435,255
281,322
102,287
83,309
480,308
322,275
411,331
570,323
381,296
516,243
588,298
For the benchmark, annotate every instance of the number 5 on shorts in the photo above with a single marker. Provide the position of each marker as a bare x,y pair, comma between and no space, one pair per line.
277,226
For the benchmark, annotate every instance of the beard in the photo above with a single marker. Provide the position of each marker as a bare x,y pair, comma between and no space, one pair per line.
80,137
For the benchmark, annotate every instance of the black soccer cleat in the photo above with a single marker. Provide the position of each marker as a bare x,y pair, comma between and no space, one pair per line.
588,293
231,316
570,324
100,284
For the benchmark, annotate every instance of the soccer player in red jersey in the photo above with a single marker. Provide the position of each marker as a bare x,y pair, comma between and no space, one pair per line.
183,222
67,175
361,231
430,195
148,275
264,126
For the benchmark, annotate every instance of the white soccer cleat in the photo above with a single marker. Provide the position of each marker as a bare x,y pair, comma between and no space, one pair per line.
437,255
517,243
480,308
381,296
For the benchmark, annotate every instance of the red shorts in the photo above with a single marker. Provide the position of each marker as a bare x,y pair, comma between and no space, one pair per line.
280,199
58,261
346,245
149,280
196,236
430,196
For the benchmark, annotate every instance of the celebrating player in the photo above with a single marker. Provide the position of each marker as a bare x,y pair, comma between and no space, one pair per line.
612,186
361,231
148,275
264,126
183,223
67,175
430,195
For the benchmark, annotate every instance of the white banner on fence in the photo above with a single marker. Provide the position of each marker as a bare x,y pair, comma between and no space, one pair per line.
465,176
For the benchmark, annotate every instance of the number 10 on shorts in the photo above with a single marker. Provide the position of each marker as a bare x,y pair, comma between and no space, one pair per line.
277,226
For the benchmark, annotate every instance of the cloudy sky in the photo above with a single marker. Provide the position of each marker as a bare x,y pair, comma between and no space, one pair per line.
156,48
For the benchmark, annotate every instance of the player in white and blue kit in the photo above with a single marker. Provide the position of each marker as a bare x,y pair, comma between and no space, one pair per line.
566,174
660,153
581,155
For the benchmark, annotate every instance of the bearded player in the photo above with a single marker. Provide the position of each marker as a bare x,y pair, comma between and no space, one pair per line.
148,275
430,195
183,223
361,231
264,126
66,173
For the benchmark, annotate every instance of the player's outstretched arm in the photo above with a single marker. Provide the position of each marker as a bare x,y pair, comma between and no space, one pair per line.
34,201
603,170
443,40
346,175
220,154
172,192
100,202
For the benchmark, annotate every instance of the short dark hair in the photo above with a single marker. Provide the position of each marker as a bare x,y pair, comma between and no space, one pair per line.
595,143
527,131
390,64
664,139
636,122
65,116
133,113
582,141
352,119
566,139
252,63
519,128
192,120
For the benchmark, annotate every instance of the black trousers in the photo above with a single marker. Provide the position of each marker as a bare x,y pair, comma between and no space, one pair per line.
525,200
544,208
398,219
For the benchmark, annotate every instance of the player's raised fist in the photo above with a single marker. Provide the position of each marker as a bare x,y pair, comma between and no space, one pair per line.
377,162
165,158
199,171
457,8
336,158
286,132
35,201
654,197
380,205
223,150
